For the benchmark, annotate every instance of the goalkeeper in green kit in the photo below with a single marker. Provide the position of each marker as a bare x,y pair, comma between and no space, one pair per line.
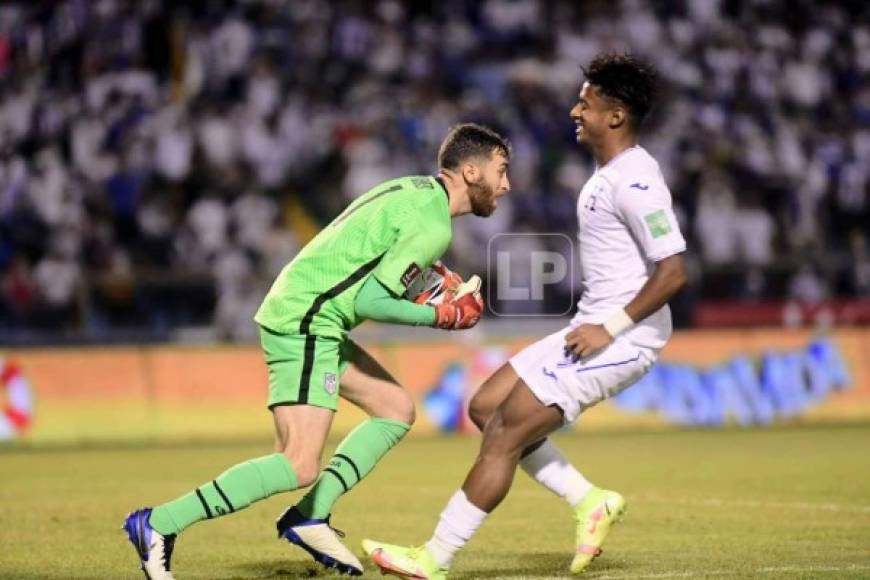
355,269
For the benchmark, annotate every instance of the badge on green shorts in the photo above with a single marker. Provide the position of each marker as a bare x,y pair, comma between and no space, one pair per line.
658,224
330,383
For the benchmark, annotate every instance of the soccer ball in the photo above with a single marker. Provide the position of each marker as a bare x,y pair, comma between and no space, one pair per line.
430,286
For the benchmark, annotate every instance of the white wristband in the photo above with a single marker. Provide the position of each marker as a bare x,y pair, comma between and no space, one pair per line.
618,323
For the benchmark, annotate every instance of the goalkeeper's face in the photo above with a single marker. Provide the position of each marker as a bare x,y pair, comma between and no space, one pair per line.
491,183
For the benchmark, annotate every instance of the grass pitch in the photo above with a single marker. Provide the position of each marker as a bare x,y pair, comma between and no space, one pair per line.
779,503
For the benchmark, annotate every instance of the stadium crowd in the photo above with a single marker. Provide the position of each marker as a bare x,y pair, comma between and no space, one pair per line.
161,161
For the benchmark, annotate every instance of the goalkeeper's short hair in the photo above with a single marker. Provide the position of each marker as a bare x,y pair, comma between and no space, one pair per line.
470,140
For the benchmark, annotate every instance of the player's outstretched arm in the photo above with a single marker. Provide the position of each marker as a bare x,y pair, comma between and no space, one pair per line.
666,280
461,308
375,302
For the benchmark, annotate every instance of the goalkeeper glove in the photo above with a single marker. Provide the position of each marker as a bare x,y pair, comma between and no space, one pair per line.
452,280
463,309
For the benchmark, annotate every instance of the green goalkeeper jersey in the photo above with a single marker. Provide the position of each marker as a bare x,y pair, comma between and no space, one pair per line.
391,232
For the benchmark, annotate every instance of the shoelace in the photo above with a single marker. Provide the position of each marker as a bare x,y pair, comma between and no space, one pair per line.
338,532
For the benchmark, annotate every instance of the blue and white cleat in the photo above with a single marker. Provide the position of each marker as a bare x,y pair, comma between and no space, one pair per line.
320,540
154,549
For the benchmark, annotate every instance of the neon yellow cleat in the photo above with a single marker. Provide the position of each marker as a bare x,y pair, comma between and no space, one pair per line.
599,510
414,563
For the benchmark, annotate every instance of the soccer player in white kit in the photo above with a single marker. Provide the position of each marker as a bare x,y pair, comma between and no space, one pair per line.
631,259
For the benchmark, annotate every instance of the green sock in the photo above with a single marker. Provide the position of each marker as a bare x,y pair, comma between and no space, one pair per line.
235,489
354,458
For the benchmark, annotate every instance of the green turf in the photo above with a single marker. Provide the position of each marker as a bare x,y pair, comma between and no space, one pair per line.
782,503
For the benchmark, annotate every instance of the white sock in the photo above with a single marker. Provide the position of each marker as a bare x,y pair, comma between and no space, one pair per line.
548,466
459,520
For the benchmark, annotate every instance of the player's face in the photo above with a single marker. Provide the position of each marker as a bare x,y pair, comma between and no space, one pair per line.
591,115
490,185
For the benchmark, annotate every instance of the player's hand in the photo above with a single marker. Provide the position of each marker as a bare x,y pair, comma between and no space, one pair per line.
452,280
586,340
462,311
459,314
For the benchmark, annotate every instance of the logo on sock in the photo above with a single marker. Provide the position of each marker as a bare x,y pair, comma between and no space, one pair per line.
330,383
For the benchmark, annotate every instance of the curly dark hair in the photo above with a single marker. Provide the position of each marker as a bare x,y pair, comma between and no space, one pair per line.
470,140
625,78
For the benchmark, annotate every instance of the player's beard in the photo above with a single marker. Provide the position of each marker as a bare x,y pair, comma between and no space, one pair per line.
482,198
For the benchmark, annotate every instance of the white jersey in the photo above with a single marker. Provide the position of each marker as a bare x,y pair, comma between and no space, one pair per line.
626,225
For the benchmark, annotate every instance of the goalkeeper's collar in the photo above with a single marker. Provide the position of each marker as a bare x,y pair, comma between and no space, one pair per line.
443,185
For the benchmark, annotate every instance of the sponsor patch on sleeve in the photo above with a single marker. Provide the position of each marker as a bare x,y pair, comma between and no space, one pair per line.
658,224
412,272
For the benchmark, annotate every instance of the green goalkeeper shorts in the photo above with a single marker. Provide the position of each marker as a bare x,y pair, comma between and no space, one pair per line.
304,369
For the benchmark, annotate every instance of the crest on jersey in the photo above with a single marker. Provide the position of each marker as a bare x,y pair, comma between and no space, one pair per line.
330,383
590,203
658,223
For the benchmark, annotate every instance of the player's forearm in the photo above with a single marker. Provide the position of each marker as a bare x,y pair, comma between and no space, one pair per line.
667,279
375,302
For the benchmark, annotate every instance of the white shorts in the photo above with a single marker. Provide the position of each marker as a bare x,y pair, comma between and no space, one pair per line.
555,379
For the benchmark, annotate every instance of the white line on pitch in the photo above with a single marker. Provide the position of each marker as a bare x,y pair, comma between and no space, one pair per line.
714,501
703,573
831,507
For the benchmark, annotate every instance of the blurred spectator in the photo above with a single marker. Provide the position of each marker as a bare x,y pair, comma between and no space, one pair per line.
56,278
238,296
253,214
807,285
19,291
208,219
859,284
716,226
